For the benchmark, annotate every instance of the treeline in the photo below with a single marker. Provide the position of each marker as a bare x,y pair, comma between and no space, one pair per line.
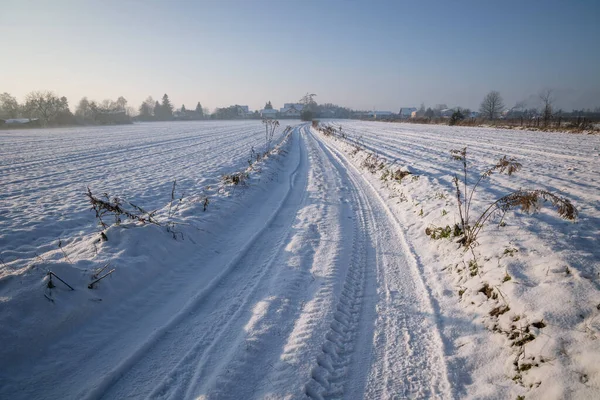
151,110
45,108
311,109
41,107
493,110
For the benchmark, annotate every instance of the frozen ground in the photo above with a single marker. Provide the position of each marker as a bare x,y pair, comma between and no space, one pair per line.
315,279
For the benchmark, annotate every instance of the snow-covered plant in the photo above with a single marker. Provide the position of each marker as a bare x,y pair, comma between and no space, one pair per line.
116,208
372,163
270,126
237,178
526,200
171,224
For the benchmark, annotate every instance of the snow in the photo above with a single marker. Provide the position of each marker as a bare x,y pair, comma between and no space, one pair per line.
313,278
553,264
45,174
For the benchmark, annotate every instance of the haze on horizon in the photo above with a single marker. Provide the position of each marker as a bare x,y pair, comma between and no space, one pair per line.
365,55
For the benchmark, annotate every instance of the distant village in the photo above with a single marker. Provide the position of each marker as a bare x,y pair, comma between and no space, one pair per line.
43,108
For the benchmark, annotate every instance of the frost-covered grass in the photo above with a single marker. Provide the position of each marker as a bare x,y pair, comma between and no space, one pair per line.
521,311
44,174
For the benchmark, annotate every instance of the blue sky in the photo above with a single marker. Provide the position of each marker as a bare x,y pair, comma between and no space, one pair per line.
365,55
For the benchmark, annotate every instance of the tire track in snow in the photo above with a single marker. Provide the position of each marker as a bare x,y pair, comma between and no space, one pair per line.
408,352
221,315
328,377
287,331
287,376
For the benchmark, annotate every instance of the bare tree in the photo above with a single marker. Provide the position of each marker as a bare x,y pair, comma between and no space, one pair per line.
9,107
492,105
108,105
130,111
84,112
308,99
547,100
310,107
121,104
45,105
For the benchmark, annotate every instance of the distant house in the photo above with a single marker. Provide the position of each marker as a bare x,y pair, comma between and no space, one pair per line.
380,114
243,111
406,112
447,112
268,113
359,114
20,122
291,110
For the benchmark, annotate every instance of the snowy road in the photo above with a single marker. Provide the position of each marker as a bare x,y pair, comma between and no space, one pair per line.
313,292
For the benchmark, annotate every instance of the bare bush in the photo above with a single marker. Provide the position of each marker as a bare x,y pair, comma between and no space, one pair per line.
237,178
373,163
526,200
117,208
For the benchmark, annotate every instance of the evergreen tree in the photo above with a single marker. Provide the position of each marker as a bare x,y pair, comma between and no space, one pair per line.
183,110
456,116
166,107
199,110
158,113
268,106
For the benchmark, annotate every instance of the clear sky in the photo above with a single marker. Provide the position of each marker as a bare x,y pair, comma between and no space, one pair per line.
363,54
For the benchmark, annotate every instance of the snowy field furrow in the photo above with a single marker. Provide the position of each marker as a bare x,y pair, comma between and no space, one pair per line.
44,174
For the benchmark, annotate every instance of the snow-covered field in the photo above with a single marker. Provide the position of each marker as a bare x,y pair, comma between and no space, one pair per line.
314,279
44,174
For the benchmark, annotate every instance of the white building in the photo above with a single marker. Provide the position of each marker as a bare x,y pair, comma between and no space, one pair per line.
447,112
380,114
20,121
268,113
406,112
291,110
243,111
